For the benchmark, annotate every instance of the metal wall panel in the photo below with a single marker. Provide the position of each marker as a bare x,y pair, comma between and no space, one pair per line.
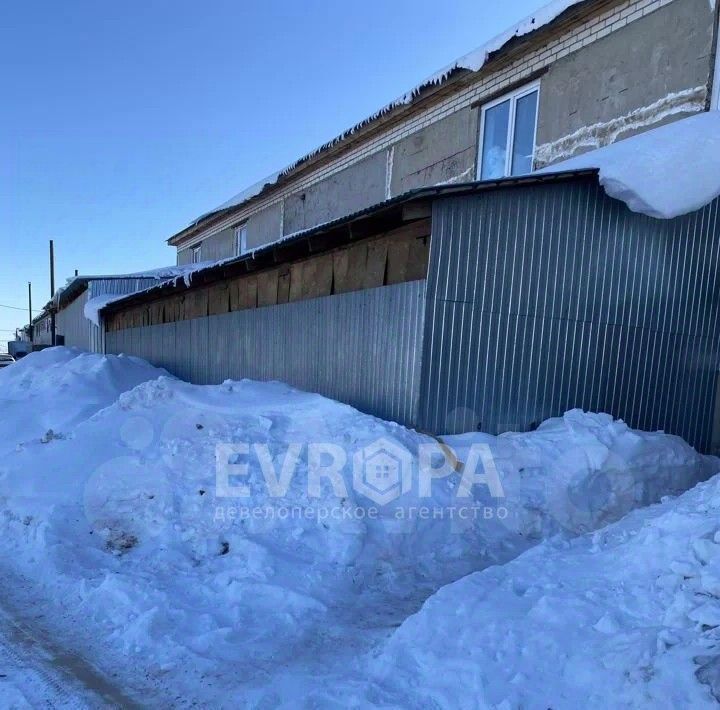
550,297
79,332
72,324
362,348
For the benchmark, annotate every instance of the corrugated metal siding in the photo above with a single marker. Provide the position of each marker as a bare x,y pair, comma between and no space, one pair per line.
362,348
78,330
113,287
71,323
551,297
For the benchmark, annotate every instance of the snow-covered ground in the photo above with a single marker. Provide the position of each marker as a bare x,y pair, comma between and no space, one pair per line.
115,524
628,616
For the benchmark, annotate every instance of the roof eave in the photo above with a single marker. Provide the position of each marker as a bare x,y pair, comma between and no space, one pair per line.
272,254
424,93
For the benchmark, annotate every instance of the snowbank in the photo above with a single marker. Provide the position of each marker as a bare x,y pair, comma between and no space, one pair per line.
626,617
121,523
58,388
665,172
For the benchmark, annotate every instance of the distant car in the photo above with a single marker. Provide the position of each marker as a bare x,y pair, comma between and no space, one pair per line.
6,360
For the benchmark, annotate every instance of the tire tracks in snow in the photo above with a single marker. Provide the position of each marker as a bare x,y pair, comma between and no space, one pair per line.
37,673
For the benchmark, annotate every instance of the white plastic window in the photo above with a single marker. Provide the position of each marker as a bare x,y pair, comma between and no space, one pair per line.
508,127
240,240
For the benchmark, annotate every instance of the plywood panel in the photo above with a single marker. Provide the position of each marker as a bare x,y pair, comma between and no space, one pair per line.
296,281
397,262
374,275
156,313
341,264
267,285
196,303
283,290
218,298
391,258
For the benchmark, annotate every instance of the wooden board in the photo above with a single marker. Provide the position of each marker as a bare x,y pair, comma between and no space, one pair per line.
374,275
296,281
390,258
283,290
218,298
267,288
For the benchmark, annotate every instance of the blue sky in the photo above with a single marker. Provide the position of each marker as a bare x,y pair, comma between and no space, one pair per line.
120,122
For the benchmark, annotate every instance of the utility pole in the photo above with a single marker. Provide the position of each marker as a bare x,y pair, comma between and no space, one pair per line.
52,291
30,325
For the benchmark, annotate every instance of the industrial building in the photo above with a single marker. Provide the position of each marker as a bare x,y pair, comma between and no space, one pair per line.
488,306
450,263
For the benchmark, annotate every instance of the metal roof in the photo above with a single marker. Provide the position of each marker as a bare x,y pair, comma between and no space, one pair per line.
371,220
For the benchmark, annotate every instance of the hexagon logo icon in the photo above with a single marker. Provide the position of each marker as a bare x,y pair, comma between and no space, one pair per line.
382,471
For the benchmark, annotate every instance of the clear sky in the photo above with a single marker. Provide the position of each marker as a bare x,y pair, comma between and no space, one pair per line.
122,121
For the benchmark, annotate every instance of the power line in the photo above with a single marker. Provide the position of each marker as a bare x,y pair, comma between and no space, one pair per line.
16,308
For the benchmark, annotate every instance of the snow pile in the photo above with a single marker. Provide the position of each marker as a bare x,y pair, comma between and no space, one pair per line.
628,616
120,520
56,389
665,172
581,471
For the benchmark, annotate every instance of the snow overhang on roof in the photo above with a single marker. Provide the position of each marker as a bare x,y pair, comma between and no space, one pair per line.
77,285
473,62
664,172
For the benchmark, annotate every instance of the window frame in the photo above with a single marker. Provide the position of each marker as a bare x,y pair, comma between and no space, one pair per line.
241,239
513,97
196,253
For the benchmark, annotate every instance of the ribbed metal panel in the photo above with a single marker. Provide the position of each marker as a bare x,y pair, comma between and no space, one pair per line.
72,324
362,348
76,328
551,297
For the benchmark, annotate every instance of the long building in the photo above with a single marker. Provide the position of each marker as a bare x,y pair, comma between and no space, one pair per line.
450,274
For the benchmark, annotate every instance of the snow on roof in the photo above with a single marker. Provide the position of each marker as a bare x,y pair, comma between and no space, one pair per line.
163,272
473,61
665,172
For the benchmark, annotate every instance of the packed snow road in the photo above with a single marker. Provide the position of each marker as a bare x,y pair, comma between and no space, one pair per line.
36,673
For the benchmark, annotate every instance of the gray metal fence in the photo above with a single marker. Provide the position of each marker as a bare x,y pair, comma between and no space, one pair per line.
362,348
554,297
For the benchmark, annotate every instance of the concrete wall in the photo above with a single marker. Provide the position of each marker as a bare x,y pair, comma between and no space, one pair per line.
635,64
220,245
348,191
442,152
644,74
265,226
